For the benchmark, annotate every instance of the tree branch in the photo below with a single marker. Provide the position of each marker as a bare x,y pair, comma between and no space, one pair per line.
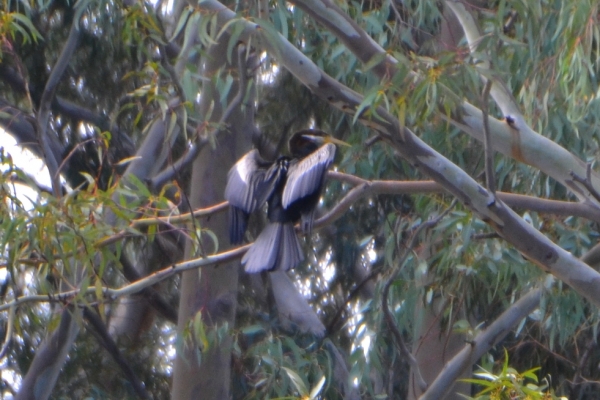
151,295
526,239
171,220
46,103
334,325
159,180
9,332
49,358
364,188
485,340
23,128
516,140
513,136
490,176
135,287
109,344
71,110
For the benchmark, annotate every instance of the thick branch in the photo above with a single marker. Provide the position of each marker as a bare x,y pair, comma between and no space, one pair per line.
516,139
43,372
485,340
70,110
23,129
328,14
120,140
364,188
526,239
48,98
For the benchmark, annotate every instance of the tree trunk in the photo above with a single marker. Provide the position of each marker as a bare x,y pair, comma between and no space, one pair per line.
435,344
211,291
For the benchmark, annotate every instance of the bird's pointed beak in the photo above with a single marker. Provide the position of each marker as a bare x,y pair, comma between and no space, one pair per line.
331,139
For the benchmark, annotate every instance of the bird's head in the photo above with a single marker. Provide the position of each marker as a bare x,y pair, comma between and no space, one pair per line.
305,142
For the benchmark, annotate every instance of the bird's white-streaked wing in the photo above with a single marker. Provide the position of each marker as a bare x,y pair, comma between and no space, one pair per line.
305,177
250,183
239,189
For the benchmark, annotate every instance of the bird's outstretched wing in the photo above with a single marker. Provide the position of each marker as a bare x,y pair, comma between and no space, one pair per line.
241,182
250,183
306,177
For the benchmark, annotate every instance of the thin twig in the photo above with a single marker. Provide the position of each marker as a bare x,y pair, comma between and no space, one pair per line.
145,222
172,74
587,181
490,177
485,236
510,21
72,152
9,332
135,287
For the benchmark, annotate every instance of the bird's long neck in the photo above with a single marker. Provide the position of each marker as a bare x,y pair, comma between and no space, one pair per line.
300,152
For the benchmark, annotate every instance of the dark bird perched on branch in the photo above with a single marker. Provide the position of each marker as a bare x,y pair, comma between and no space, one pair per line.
291,186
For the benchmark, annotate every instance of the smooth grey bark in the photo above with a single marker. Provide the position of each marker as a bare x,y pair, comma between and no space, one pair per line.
434,345
487,206
475,349
213,292
22,128
50,357
43,117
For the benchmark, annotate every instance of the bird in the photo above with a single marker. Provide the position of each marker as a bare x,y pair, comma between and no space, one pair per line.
291,186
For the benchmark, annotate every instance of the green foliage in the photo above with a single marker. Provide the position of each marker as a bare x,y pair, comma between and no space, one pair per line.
53,231
283,367
548,58
50,245
16,26
511,384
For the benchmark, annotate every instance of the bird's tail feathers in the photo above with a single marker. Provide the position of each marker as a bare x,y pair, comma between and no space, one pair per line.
276,248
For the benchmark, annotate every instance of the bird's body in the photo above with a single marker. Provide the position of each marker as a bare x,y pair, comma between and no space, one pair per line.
291,187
